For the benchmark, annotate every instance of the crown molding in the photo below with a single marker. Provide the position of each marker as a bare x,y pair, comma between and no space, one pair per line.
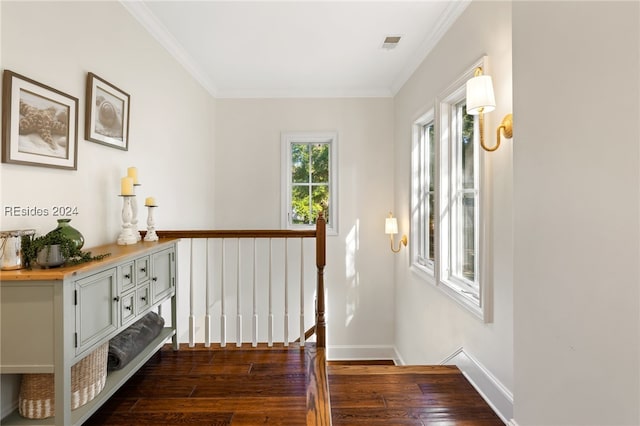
158,31
443,23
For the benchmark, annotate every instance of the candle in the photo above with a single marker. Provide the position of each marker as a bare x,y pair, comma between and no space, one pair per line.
126,186
150,201
132,172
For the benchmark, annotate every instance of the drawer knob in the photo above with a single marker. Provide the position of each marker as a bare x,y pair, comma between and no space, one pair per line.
116,299
143,298
143,269
154,279
128,308
127,276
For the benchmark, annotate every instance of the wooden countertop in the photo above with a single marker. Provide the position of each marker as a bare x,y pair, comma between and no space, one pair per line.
118,253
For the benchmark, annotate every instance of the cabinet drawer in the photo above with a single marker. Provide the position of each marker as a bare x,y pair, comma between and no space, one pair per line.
143,298
143,270
127,307
126,274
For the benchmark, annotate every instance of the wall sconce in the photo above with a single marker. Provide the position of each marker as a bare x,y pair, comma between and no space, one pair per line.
391,228
480,99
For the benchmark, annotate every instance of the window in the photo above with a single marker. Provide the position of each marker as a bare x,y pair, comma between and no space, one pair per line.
309,179
448,188
423,192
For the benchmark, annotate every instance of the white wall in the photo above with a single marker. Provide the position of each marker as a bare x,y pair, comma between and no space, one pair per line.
576,68
56,44
429,325
170,119
359,275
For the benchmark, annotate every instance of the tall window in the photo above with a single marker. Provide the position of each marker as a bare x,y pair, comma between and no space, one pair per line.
423,193
309,179
448,187
462,202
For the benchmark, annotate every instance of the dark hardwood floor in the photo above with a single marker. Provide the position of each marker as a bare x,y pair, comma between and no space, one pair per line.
405,395
262,386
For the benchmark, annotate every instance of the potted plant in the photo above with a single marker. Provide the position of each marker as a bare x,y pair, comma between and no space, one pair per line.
55,249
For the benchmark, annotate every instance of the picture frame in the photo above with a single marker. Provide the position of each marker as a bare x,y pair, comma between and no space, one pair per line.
40,124
106,114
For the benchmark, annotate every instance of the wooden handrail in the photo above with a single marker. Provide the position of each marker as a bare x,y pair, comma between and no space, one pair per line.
318,397
235,233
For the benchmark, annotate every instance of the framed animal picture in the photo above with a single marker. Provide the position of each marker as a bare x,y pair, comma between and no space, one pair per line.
107,114
40,124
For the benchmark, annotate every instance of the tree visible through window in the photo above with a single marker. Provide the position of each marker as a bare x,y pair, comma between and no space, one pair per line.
309,179
309,182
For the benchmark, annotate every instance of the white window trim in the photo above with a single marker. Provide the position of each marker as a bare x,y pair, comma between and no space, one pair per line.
482,308
287,138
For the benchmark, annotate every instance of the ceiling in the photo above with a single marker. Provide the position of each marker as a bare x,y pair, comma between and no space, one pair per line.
304,48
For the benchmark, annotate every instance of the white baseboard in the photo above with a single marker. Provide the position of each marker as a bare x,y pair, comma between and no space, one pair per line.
494,393
348,352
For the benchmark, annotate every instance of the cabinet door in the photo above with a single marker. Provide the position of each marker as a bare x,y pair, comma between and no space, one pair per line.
96,308
163,272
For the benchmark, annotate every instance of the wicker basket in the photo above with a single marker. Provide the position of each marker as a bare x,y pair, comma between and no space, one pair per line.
88,377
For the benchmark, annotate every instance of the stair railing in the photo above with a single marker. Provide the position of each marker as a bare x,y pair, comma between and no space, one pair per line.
223,283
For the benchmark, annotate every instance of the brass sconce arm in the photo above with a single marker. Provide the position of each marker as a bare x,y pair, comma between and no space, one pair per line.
402,242
506,127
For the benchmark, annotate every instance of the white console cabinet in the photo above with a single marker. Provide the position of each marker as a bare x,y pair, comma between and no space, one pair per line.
52,318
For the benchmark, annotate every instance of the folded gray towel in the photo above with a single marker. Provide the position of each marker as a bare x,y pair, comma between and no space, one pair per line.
129,343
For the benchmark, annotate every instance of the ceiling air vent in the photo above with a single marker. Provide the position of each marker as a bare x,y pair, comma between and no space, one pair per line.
390,42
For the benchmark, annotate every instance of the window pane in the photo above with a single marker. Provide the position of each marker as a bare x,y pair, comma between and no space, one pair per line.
299,162
431,147
467,149
320,163
468,238
431,229
320,201
300,212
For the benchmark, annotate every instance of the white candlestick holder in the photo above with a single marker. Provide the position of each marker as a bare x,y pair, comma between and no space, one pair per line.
151,226
127,235
134,211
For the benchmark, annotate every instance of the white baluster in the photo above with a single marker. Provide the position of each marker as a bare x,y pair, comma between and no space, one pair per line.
207,316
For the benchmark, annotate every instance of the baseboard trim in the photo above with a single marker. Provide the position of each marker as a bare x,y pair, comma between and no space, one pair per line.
494,393
363,352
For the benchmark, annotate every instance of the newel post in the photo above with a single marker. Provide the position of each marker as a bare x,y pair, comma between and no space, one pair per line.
321,324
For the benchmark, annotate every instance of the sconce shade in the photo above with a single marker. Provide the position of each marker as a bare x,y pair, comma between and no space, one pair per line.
480,97
391,226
